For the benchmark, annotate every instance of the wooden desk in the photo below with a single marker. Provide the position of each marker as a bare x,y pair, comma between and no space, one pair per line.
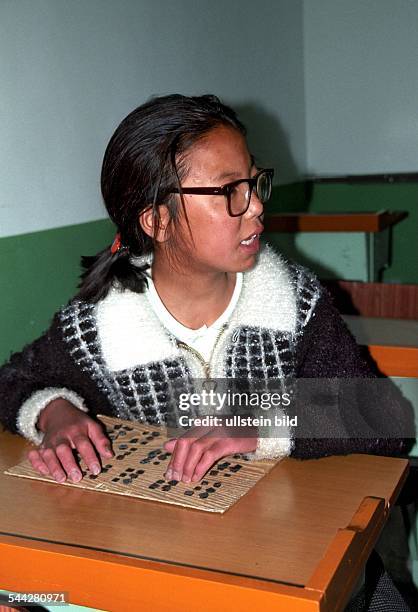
297,541
393,343
370,222
310,239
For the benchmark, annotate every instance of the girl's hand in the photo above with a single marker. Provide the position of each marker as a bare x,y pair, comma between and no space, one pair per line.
195,453
66,429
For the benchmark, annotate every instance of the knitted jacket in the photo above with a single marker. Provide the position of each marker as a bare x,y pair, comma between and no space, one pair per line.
116,358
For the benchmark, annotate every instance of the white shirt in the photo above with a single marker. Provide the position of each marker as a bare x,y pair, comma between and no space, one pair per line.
202,339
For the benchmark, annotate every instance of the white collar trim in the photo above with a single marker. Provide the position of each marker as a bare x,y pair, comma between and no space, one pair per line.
131,334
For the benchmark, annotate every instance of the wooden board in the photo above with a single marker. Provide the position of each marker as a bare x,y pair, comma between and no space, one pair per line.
140,461
370,222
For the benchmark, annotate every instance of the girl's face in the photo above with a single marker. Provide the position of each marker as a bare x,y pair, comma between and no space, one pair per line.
219,158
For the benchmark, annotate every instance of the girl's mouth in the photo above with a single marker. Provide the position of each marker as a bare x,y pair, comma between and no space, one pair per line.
250,240
251,245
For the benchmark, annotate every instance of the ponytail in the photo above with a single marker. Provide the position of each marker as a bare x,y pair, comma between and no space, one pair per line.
101,270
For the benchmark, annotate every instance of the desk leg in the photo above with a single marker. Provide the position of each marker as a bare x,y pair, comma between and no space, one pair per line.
378,249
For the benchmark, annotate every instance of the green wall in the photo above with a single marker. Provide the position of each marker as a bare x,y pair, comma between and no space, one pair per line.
39,274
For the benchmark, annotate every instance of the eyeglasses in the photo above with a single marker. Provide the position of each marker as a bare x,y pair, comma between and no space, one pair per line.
238,193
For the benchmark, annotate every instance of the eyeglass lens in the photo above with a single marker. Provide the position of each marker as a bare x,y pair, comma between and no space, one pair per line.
263,187
241,194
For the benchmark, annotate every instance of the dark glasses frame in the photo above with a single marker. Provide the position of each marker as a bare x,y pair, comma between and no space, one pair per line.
227,189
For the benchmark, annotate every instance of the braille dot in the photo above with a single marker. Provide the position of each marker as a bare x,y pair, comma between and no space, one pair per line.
140,471
173,482
153,486
133,441
155,463
213,473
166,488
210,490
203,495
217,484
197,488
227,475
235,468
126,481
188,492
160,481
130,469
123,446
133,448
205,482
155,434
119,457
115,479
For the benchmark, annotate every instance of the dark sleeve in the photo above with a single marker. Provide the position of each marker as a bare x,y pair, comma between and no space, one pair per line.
359,412
45,363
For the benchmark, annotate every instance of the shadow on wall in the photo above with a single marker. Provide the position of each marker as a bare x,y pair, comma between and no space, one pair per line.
269,143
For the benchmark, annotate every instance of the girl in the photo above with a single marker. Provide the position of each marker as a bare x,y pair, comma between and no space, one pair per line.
185,290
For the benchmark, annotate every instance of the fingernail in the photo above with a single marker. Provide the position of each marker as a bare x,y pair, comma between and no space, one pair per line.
75,475
95,468
176,476
169,474
186,478
195,478
44,470
59,477
108,452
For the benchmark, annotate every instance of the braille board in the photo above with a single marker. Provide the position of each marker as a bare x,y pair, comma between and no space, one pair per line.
140,461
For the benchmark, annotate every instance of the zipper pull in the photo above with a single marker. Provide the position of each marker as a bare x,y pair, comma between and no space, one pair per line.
209,385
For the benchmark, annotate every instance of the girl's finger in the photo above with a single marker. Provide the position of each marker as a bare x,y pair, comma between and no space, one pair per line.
100,440
169,445
175,467
196,450
87,453
217,450
37,462
53,464
182,448
216,444
66,457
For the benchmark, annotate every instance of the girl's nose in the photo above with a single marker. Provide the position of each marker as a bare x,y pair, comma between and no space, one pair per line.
256,207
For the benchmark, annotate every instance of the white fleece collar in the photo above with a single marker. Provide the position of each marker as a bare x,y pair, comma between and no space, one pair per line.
131,334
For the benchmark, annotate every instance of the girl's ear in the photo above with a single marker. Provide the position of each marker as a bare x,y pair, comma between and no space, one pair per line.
154,227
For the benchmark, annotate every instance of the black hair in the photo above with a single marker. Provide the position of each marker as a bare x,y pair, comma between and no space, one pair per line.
144,161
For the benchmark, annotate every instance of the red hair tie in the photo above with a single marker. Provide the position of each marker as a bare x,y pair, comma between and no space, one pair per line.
116,245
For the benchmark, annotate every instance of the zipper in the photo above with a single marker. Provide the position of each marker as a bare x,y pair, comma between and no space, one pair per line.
206,364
